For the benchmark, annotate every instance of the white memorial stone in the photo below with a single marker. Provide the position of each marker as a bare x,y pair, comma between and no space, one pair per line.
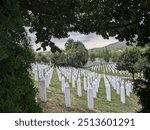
67,95
118,88
90,98
47,80
73,81
94,89
122,94
108,92
79,87
85,84
43,90
63,84
35,75
127,90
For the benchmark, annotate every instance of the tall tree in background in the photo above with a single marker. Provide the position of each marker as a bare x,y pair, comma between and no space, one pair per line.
106,54
128,60
75,55
114,54
92,57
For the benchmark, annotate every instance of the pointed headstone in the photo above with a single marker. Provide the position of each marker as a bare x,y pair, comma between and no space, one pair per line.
122,94
63,84
90,98
85,84
36,75
43,90
79,87
108,92
73,81
67,95
117,88
94,89
127,90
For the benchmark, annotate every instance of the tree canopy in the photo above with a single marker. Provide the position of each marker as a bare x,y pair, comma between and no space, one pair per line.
75,54
126,20
129,59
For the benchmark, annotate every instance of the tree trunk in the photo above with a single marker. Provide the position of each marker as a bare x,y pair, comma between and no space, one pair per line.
133,76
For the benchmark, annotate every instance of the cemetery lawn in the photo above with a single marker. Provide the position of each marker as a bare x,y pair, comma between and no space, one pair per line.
56,100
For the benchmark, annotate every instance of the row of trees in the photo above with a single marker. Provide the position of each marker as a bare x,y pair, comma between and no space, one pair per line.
105,54
75,54
43,57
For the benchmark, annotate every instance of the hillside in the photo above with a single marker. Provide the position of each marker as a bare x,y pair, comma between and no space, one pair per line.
113,46
56,100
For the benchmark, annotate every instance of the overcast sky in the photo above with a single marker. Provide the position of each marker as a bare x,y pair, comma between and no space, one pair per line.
90,41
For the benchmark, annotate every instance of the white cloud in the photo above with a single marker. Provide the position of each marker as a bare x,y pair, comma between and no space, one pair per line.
90,41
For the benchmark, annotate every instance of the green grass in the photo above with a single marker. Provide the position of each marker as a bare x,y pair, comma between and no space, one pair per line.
56,100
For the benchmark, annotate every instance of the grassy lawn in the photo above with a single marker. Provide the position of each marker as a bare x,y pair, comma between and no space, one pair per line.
56,100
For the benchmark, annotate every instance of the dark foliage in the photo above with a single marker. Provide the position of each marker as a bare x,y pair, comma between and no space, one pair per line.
75,55
17,92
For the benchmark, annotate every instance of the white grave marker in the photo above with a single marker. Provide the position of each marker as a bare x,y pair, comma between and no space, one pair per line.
67,95
73,81
85,84
94,89
79,87
63,84
118,88
108,92
127,90
43,90
90,98
122,94
35,75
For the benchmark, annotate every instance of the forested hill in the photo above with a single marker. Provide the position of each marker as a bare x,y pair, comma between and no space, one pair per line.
113,46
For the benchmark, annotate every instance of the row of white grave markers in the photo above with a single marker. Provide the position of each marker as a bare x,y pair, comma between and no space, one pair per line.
108,89
39,71
118,85
44,73
48,77
44,84
116,82
91,79
75,76
108,68
111,68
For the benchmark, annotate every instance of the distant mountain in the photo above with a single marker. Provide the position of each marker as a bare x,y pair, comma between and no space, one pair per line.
114,46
